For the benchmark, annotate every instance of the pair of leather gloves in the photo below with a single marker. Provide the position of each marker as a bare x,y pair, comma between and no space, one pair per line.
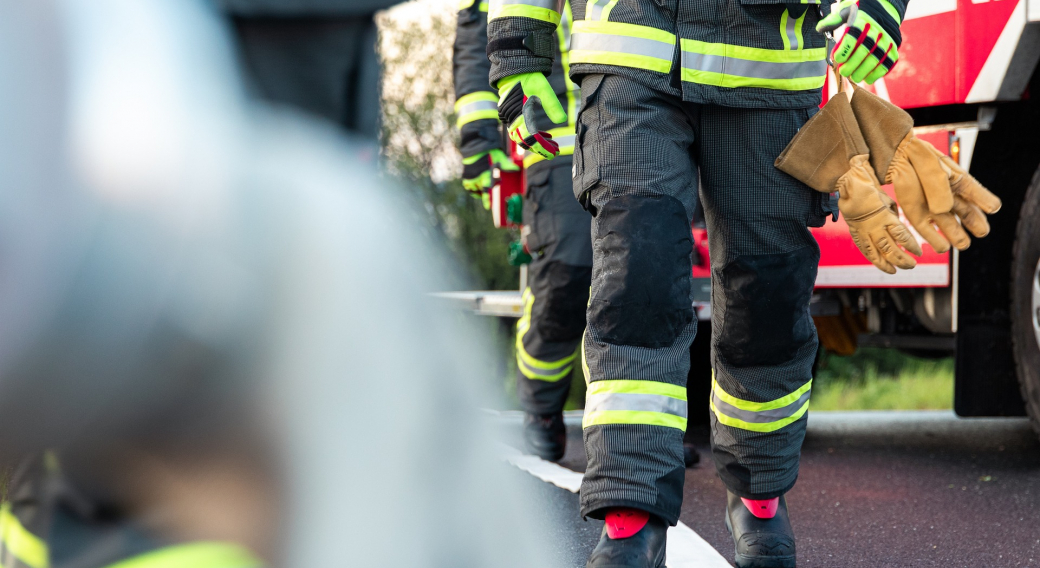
853,147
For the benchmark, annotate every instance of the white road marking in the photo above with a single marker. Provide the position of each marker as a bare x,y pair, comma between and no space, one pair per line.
685,548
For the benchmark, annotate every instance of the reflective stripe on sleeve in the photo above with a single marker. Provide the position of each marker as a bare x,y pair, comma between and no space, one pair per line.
544,10
759,416
626,45
635,402
724,65
196,555
17,541
480,105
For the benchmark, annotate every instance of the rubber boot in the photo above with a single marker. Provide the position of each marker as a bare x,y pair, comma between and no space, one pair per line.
766,542
641,548
545,435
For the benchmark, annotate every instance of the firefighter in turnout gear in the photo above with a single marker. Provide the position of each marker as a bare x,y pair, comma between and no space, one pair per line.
676,91
557,230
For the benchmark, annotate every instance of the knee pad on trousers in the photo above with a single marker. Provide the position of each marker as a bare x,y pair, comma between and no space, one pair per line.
642,279
562,295
766,299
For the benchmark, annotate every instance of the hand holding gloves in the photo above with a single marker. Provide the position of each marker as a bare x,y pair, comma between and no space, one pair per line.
933,190
829,154
869,48
517,95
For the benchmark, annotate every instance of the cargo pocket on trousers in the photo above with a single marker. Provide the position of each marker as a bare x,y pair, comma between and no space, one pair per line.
586,158
538,210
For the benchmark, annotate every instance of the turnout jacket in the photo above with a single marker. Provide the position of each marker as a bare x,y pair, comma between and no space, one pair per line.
476,103
737,53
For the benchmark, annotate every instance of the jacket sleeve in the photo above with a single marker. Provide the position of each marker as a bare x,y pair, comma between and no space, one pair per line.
476,103
522,37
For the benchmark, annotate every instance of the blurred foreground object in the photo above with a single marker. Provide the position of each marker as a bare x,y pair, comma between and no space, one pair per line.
204,306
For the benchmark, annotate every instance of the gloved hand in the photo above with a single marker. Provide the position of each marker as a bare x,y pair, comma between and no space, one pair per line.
517,95
869,48
477,170
930,187
829,154
873,219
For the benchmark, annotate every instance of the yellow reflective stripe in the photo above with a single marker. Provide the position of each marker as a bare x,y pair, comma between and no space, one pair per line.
483,7
798,29
621,386
754,53
465,4
544,365
784,19
481,105
564,31
22,544
584,359
759,406
523,11
478,96
605,15
626,45
757,427
725,65
194,555
602,417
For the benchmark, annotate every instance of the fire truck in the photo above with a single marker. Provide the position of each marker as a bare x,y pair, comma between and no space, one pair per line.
966,74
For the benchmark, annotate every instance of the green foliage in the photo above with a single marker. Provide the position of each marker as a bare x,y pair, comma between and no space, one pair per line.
882,379
420,139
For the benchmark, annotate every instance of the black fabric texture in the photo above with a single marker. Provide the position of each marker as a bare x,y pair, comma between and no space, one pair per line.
644,245
767,306
480,136
514,61
324,66
564,294
470,171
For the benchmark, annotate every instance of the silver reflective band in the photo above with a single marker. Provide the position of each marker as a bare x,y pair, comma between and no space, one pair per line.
761,416
622,44
635,402
477,106
791,35
547,4
754,69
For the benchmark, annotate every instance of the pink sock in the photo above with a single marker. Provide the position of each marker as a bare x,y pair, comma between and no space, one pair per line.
623,523
762,508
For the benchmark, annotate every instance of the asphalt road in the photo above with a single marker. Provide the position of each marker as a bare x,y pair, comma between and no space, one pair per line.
892,489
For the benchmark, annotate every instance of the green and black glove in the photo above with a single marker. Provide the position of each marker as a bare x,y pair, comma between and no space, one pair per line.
869,48
517,95
477,171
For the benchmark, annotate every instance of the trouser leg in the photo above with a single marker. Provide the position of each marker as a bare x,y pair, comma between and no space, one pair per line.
635,174
764,262
25,518
548,334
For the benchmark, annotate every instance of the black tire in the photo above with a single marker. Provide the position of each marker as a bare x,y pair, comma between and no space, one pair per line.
1025,302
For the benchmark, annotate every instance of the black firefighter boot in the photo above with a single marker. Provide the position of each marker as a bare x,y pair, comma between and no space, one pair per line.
545,435
764,539
631,539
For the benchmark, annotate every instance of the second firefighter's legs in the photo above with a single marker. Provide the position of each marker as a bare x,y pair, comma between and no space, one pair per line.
764,262
548,334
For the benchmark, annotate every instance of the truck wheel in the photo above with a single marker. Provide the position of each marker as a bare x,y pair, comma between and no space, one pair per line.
1025,301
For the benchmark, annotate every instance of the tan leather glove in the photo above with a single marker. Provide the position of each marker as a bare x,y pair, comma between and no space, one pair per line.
930,187
829,154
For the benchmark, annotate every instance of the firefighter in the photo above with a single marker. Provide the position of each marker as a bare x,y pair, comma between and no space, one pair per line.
556,229
673,92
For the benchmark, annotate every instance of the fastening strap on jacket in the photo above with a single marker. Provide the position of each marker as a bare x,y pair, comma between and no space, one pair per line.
476,106
635,402
626,45
759,416
724,65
